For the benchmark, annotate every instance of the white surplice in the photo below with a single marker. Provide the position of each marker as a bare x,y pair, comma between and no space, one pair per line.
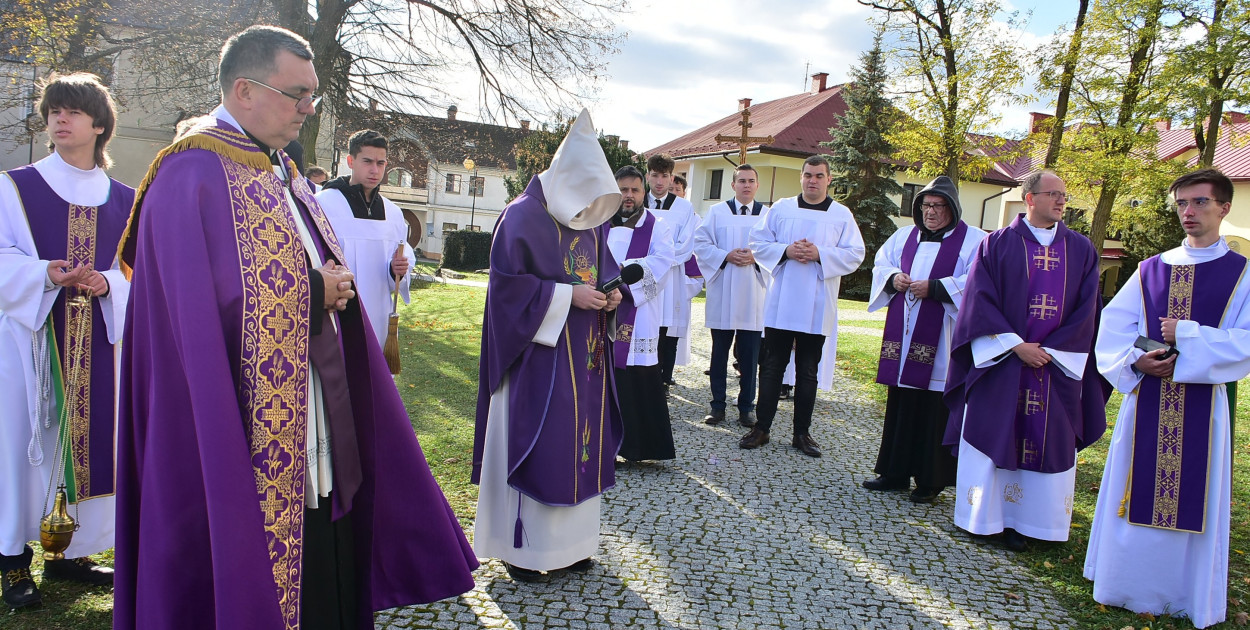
1147,569
676,288
647,292
889,261
735,295
28,437
989,499
368,245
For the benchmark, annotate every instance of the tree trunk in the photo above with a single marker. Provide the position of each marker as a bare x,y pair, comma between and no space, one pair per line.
1216,80
308,138
1214,116
1065,85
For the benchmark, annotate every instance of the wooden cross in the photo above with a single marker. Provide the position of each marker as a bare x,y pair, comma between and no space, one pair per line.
745,139
1043,307
1046,261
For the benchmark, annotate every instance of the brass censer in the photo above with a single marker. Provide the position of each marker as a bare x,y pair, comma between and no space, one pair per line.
56,530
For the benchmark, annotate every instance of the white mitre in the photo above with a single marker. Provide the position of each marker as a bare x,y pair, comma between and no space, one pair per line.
579,186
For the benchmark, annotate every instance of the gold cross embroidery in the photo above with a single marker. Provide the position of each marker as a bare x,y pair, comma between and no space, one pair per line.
271,237
1033,404
279,323
1028,451
272,505
1043,307
1047,260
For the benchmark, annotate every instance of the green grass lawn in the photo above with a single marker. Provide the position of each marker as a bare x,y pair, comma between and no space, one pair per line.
432,269
440,337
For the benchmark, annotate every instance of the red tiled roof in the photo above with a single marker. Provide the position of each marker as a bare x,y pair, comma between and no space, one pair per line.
798,124
1232,151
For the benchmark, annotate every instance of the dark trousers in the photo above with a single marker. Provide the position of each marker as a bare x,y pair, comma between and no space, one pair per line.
774,357
668,354
746,345
328,594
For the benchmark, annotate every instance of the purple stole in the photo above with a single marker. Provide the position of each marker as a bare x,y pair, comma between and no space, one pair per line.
1172,439
1047,270
922,351
639,245
83,235
691,266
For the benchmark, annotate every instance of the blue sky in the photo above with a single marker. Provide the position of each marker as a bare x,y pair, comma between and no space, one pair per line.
685,64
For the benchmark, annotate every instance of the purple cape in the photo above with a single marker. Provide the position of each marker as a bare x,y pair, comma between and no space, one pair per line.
996,301
214,381
88,412
564,425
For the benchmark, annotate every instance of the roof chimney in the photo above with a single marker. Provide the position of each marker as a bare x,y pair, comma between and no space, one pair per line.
743,103
451,112
373,105
625,144
1163,124
818,82
1235,117
1035,121
525,125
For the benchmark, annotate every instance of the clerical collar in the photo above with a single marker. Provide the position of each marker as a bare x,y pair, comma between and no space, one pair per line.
822,206
620,219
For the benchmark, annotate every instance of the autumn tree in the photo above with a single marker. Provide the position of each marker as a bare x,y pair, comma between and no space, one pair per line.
1065,64
1119,98
861,155
957,67
1213,70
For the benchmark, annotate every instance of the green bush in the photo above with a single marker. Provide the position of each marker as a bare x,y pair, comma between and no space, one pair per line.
466,250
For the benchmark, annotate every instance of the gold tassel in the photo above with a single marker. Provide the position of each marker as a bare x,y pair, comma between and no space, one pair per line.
1128,486
198,139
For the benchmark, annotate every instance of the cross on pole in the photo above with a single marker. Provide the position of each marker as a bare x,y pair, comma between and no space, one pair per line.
745,139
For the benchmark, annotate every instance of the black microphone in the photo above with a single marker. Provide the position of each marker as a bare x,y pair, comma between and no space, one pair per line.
630,274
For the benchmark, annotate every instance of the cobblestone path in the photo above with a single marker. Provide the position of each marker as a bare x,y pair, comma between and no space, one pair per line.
725,538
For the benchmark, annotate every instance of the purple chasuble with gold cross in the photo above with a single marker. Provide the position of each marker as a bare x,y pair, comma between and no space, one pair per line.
212,421
564,425
82,235
923,347
1021,417
1172,435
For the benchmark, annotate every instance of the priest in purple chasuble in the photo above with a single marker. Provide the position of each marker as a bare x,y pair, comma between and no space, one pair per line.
548,426
268,475
640,237
1023,400
1160,537
61,314
919,274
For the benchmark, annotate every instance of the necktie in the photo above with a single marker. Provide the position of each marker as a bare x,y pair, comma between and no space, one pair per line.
657,203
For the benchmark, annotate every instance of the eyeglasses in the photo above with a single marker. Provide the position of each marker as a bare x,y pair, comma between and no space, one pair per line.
933,206
301,102
1197,202
1057,195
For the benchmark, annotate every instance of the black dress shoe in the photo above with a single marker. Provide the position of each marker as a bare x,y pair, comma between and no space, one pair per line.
1014,540
786,391
520,574
747,419
716,417
17,586
807,445
581,566
924,495
78,570
755,439
883,483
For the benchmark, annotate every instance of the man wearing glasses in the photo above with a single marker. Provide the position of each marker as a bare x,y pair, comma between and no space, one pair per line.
1022,393
920,273
1159,541
266,464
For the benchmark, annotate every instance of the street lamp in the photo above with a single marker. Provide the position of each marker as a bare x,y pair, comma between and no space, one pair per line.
469,165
